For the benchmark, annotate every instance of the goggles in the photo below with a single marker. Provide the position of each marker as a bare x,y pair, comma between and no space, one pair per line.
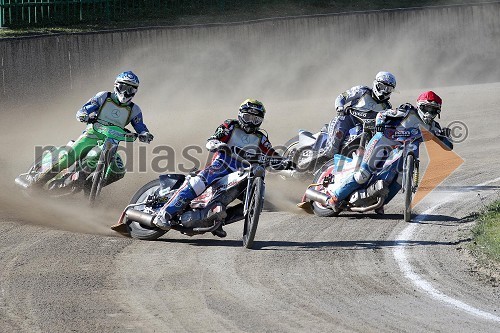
384,88
127,90
251,118
429,109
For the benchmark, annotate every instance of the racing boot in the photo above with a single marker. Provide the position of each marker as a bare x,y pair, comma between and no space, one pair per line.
37,180
219,232
176,204
26,181
333,203
380,211
163,221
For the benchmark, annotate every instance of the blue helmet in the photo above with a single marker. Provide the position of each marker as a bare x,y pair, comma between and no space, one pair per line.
126,85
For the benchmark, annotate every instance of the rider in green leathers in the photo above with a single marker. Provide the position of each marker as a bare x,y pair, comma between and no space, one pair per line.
111,108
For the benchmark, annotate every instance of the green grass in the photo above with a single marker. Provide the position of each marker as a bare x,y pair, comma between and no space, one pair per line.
487,233
236,11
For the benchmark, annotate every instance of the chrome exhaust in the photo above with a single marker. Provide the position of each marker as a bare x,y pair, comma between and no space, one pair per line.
141,217
317,196
380,203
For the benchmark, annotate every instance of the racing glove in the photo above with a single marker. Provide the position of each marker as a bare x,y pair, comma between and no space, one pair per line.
146,137
85,117
215,145
91,118
446,132
283,164
340,110
288,164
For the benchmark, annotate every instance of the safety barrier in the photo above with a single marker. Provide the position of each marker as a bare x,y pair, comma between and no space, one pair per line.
24,13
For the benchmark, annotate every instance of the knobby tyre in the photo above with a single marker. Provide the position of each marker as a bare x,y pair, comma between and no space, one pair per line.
98,177
408,186
253,214
135,229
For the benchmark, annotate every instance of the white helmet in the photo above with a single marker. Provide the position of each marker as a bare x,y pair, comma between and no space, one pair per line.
383,85
126,85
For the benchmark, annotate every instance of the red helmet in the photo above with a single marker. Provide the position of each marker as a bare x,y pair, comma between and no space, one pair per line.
429,106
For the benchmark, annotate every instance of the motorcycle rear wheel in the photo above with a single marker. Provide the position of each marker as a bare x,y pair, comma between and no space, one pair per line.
318,208
408,186
135,229
253,214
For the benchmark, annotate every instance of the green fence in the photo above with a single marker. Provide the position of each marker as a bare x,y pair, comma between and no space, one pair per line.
24,13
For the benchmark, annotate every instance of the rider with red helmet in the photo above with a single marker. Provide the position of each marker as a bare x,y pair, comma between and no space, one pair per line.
372,99
428,107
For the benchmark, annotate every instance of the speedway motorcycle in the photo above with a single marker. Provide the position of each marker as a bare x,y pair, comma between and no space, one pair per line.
306,145
401,167
76,177
208,212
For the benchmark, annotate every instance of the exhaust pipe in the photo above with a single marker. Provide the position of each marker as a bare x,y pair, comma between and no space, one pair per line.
141,217
380,203
317,196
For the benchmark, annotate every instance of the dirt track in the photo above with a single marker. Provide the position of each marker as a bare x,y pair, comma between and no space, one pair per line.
63,271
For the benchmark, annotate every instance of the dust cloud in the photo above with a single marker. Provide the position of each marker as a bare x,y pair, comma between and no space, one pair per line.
190,85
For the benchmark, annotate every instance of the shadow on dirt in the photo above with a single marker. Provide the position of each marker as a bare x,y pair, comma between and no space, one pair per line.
430,219
350,245
308,246
422,218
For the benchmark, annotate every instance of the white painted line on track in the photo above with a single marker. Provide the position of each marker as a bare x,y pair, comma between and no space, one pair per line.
402,260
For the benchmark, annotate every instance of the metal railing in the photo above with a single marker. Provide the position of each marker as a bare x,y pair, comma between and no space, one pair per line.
24,13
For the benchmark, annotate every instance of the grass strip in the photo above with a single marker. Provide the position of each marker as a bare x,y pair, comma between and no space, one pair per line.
487,233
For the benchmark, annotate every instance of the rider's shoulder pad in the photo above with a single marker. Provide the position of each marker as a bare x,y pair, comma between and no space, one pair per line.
230,122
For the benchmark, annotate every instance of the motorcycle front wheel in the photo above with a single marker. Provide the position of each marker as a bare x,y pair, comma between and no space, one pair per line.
253,214
408,188
135,229
98,177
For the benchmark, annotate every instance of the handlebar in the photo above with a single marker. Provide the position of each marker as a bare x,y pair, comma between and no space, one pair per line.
250,158
114,132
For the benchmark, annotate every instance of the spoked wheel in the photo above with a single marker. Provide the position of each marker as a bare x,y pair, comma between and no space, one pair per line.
291,146
408,186
135,229
292,152
254,210
318,208
98,177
